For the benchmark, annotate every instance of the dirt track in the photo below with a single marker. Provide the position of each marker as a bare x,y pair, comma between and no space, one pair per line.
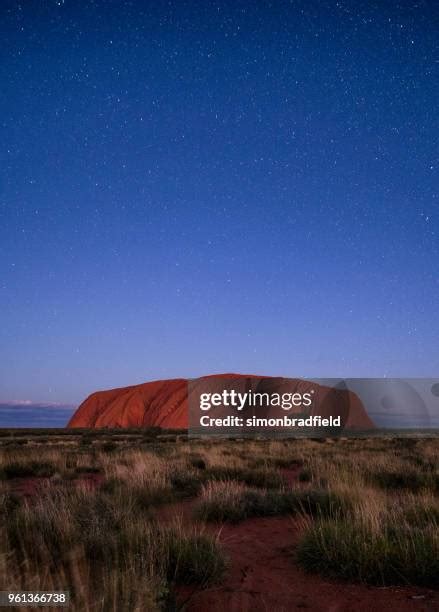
264,577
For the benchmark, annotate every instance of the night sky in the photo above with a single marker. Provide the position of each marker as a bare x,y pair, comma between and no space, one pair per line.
199,187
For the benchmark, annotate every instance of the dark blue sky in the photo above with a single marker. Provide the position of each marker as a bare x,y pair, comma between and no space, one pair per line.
196,187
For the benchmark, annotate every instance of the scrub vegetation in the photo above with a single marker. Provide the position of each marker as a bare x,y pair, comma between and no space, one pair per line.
86,510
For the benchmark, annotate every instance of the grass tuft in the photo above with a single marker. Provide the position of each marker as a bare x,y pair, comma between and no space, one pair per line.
393,555
234,502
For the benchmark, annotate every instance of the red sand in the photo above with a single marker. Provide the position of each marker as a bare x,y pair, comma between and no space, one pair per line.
264,577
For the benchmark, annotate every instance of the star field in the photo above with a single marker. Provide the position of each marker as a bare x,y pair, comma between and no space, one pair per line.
197,187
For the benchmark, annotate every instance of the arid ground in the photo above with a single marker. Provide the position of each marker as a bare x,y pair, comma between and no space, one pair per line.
148,520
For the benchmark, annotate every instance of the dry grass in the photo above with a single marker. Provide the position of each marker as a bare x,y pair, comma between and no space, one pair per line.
109,552
389,534
233,502
104,544
371,509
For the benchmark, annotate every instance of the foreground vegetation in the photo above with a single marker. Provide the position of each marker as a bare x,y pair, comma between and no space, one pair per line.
87,510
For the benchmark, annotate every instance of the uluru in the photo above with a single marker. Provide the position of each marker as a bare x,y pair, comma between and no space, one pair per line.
165,403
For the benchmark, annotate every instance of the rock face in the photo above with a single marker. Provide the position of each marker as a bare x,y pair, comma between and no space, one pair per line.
164,403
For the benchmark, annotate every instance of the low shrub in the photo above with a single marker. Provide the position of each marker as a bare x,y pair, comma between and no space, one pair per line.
31,468
234,502
85,440
264,478
410,479
109,447
422,515
185,482
87,469
151,432
197,462
194,559
137,494
392,555
305,475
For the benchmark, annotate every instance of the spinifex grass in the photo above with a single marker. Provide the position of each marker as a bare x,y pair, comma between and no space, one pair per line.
233,502
93,542
394,554
371,506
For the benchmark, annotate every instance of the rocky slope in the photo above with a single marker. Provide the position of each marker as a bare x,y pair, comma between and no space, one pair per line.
165,402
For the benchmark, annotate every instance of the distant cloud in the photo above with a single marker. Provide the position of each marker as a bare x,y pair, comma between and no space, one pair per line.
32,404
32,414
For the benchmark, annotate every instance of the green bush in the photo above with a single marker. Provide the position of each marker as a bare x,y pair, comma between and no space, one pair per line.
225,503
194,560
395,555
